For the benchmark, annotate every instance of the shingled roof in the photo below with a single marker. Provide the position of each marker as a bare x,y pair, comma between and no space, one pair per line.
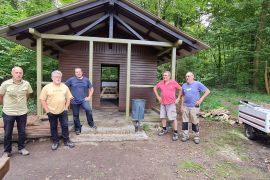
101,18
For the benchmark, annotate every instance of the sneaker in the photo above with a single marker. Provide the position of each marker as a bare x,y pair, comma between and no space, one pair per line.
24,152
175,137
184,139
55,146
196,140
69,144
77,132
6,154
93,127
162,132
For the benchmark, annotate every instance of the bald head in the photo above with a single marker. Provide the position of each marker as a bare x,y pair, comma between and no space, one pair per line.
189,77
17,74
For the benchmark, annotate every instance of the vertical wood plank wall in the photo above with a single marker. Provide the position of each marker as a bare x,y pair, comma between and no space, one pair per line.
143,68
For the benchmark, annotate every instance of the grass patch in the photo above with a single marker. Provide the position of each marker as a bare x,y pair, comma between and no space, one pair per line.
191,167
146,127
230,137
229,99
228,169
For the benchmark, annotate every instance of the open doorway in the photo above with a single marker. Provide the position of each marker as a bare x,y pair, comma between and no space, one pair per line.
109,87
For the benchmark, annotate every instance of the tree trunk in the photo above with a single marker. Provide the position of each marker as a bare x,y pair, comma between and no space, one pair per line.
258,41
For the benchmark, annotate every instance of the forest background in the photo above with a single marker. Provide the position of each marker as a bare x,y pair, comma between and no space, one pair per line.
237,31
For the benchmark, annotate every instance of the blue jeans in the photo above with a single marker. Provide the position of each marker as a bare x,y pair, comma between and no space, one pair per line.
63,119
76,115
8,127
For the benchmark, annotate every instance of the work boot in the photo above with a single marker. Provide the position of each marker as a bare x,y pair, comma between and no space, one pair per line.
93,127
69,144
185,136
24,152
55,145
77,132
196,140
162,132
6,154
175,137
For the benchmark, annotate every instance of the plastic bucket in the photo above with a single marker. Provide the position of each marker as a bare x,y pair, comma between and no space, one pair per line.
138,106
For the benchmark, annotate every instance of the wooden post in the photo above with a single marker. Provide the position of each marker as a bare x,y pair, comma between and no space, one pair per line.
39,74
128,80
173,62
90,72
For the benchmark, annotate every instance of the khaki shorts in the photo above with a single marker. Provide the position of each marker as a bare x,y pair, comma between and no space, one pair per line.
190,114
168,111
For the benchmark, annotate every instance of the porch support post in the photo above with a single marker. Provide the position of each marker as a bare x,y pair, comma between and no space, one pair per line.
173,62
39,74
128,80
90,72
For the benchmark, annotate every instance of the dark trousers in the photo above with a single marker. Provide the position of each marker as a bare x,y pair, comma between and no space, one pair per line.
76,112
63,119
8,127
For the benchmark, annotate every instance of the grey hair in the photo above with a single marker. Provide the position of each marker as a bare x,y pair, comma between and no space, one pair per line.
168,72
56,72
16,67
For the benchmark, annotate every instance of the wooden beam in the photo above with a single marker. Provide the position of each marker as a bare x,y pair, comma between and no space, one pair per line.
176,44
34,32
4,166
56,17
128,80
91,59
92,25
173,62
108,40
141,86
111,26
129,28
39,74
56,46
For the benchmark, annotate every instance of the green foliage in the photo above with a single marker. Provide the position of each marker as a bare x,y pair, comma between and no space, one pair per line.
230,28
67,1
146,127
229,99
109,73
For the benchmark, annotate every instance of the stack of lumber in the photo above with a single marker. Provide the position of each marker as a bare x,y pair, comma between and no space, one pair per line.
36,127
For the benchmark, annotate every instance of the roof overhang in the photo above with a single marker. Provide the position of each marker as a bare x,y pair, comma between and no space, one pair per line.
101,18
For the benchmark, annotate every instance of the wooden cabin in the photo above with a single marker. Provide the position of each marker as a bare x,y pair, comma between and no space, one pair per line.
94,34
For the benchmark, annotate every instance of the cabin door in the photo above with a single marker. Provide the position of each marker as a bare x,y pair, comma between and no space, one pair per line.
109,86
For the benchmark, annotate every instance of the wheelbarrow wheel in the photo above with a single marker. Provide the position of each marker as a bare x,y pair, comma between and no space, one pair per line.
250,132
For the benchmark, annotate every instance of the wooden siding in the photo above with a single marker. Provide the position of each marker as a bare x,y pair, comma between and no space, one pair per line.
143,68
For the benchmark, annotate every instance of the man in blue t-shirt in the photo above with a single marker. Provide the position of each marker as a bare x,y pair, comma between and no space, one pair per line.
191,101
82,91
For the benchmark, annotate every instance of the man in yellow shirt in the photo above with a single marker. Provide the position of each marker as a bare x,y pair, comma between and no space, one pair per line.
13,95
55,99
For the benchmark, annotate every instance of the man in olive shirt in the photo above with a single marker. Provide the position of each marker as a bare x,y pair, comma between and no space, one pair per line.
13,95
55,99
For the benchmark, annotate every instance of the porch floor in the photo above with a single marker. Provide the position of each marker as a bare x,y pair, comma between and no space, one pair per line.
112,126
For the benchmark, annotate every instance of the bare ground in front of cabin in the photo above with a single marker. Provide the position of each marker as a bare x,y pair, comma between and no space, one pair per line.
224,153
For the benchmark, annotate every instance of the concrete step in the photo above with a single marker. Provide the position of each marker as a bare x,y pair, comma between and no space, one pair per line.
86,138
127,129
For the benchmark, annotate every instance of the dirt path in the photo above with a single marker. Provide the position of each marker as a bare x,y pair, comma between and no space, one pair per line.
224,153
